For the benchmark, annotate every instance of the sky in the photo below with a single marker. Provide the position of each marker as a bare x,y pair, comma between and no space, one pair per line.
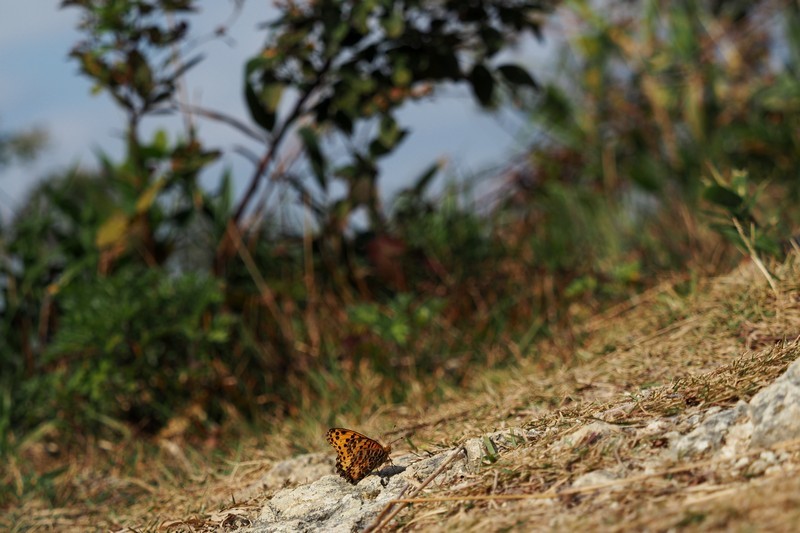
41,86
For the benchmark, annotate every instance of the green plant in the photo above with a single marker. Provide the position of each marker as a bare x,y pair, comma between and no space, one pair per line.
342,69
137,345
397,321
130,53
737,210
652,100
22,146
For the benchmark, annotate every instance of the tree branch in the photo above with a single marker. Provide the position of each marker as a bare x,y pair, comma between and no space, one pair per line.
277,140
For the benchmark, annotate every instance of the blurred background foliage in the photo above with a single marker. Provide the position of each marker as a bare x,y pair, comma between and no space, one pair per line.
132,297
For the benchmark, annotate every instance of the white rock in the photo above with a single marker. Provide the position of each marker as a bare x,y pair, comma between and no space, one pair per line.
775,410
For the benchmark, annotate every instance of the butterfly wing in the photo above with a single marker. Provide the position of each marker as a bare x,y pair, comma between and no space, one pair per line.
343,441
356,455
369,455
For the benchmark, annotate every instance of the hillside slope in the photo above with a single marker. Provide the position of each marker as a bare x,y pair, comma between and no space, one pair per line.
680,414
679,411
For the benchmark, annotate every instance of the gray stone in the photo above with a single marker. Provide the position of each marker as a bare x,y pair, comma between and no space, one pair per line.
333,504
288,473
594,430
329,504
709,435
771,417
775,410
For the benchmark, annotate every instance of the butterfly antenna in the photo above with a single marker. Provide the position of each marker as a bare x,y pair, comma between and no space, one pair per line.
401,437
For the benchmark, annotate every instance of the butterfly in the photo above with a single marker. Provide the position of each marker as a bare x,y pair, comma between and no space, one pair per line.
356,455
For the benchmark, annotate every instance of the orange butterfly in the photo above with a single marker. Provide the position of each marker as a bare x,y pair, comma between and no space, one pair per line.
356,455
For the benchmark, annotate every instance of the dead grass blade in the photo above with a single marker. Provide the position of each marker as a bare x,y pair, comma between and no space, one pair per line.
380,522
786,445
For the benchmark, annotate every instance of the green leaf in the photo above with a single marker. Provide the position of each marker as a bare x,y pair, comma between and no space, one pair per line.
344,122
161,141
394,24
517,75
360,15
399,332
482,84
402,75
440,66
142,74
261,62
389,136
311,143
425,179
722,196
271,96
258,112
491,452
346,172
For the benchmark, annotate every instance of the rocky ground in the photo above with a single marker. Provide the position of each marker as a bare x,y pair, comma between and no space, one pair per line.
681,413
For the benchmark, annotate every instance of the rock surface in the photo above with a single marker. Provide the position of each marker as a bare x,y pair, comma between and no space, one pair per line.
775,410
331,504
772,416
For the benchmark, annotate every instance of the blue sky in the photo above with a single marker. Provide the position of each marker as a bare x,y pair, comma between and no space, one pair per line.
40,86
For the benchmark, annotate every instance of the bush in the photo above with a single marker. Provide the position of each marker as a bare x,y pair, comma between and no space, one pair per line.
135,346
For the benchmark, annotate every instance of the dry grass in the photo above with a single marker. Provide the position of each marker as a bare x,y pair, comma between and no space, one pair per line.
664,360
664,357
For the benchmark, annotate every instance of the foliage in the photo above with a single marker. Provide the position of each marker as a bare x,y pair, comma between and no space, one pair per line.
106,312
397,322
23,146
737,215
341,69
119,356
653,101
65,329
129,51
